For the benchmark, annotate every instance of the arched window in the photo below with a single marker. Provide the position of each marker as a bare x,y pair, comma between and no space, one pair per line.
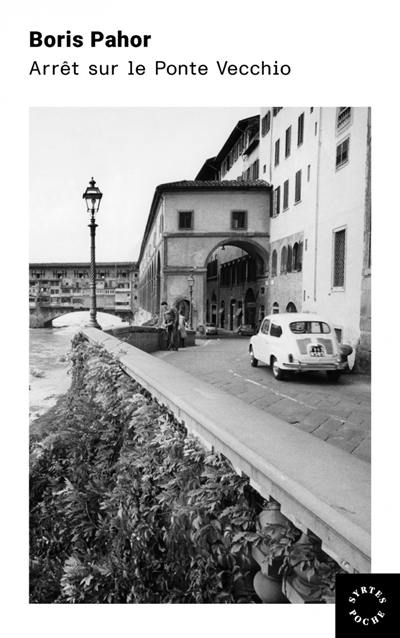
296,256
274,263
300,257
283,260
289,259
291,307
275,308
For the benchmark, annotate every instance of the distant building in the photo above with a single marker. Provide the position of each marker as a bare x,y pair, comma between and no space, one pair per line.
58,288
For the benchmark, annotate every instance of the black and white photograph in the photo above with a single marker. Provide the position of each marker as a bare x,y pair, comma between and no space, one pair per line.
199,329
200,353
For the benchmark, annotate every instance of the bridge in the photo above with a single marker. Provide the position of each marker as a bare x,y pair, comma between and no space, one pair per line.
41,315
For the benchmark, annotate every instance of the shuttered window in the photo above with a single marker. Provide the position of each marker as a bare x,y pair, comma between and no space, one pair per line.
300,129
297,191
339,253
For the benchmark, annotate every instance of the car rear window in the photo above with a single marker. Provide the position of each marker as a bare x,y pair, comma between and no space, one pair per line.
309,327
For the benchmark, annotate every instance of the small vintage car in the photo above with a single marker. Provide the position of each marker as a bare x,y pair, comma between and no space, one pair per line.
245,330
211,329
297,342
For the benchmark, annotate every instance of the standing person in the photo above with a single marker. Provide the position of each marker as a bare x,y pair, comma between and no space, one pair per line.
175,328
182,329
169,323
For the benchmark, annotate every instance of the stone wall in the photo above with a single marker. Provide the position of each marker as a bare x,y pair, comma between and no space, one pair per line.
147,338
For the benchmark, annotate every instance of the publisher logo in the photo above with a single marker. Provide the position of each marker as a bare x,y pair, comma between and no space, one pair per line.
365,604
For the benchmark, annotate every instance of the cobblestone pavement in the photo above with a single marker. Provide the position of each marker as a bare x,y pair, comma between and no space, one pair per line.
339,413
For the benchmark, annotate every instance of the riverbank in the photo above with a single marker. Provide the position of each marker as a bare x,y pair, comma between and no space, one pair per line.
49,376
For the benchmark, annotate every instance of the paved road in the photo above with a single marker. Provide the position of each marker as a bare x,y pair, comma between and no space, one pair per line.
339,413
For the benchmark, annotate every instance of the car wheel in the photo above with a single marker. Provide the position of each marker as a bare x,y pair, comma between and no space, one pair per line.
333,375
276,370
253,360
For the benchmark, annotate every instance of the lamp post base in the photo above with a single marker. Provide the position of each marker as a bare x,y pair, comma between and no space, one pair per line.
92,323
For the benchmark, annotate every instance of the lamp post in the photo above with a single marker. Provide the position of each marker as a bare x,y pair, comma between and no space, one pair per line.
191,283
93,196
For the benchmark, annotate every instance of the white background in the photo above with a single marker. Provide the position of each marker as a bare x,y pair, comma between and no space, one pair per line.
340,52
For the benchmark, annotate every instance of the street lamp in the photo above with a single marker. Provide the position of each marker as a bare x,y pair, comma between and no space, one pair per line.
190,280
93,196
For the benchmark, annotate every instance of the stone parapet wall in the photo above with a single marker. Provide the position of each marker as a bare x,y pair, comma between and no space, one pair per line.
147,338
296,470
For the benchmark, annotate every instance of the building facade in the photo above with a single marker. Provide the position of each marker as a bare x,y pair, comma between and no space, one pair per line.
314,163
190,222
59,288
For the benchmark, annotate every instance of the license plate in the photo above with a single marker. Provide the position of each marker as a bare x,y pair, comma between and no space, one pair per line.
316,351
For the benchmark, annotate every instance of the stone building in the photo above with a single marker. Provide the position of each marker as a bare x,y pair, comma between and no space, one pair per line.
189,223
312,166
318,163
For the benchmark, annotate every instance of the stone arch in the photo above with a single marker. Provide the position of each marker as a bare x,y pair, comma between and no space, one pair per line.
232,310
283,260
183,305
289,258
274,263
158,282
250,307
245,243
291,307
222,314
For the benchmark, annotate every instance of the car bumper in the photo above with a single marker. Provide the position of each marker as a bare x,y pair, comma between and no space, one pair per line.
302,366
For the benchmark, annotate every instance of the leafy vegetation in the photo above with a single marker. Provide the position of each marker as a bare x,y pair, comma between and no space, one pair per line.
126,507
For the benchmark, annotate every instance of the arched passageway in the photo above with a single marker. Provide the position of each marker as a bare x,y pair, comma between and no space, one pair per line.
235,289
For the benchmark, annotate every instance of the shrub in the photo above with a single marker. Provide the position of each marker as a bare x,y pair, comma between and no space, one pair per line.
126,507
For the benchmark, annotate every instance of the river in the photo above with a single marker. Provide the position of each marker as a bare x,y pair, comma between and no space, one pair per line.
48,359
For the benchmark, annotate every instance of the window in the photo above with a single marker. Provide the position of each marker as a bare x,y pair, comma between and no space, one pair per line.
291,307
343,117
265,326
277,201
286,195
299,262
266,123
276,109
297,248
276,330
264,168
311,109
185,221
277,144
289,259
297,190
288,140
274,263
239,220
255,169
339,249
308,172
283,260
342,152
275,308
300,129
309,327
